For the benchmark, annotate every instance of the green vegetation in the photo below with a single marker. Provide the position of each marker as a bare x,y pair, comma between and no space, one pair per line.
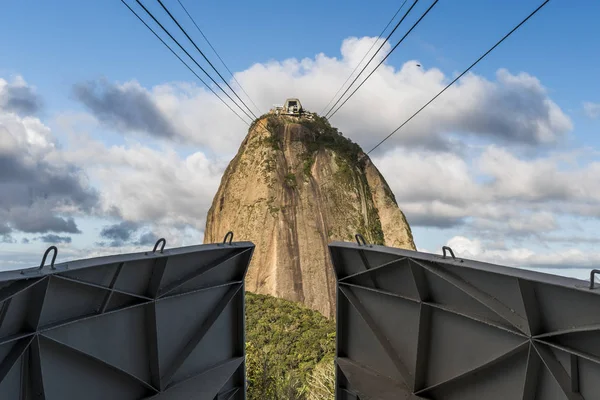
274,141
307,166
253,124
290,180
289,350
376,231
344,174
330,138
273,210
274,126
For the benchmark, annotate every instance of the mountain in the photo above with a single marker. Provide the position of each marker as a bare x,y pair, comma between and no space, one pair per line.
295,185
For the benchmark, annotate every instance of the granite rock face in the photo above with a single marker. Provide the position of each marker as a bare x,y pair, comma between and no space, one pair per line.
295,185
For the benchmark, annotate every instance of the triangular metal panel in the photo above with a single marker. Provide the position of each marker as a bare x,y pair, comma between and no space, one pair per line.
66,300
589,384
504,288
401,330
214,347
10,386
68,374
117,338
101,276
585,342
119,301
135,276
367,383
548,388
181,269
95,328
5,350
393,277
230,268
175,330
362,345
459,345
483,330
484,383
230,390
205,385
356,260
562,308
446,294
16,311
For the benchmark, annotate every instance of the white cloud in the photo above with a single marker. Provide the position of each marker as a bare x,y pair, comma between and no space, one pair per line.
18,97
522,257
40,191
512,108
497,190
592,110
153,186
490,189
474,106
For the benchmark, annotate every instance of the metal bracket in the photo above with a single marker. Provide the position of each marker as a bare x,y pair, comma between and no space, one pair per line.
164,242
37,271
228,235
48,250
360,238
444,248
592,276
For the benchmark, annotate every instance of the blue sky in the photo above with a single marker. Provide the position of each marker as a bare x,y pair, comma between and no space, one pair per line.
56,45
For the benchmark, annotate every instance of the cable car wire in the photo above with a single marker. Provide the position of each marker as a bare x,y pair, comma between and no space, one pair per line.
373,56
463,73
365,155
217,54
365,56
384,58
192,58
184,63
203,55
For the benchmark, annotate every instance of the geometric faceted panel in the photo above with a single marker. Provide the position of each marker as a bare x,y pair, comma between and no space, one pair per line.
156,325
413,325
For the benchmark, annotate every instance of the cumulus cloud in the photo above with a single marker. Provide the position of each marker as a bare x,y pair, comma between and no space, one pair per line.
127,107
125,233
474,106
523,257
496,191
154,186
513,108
592,110
179,111
18,97
6,238
162,192
38,218
40,191
54,239
147,239
120,233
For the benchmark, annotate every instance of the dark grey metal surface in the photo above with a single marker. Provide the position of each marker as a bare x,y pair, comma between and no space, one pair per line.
412,325
155,325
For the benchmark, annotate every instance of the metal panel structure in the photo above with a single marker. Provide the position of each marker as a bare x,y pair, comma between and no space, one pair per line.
164,325
413,325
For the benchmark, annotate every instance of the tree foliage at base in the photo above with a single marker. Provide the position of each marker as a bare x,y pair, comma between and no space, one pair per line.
289,350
